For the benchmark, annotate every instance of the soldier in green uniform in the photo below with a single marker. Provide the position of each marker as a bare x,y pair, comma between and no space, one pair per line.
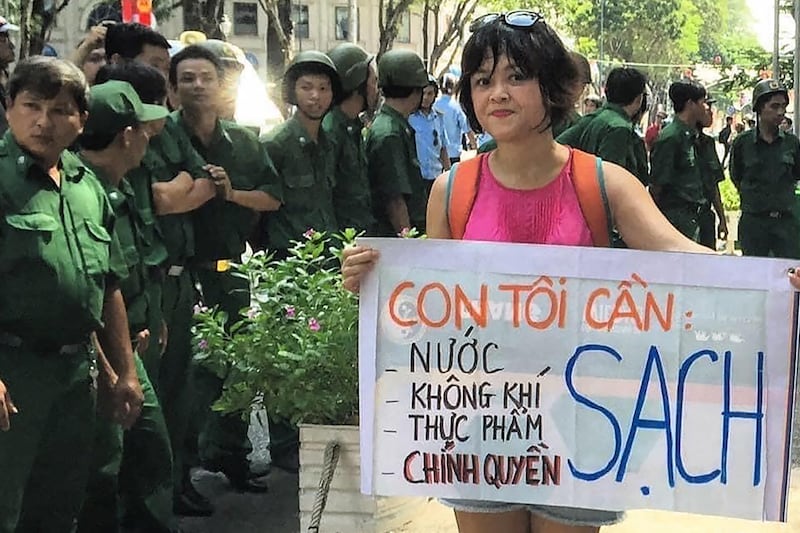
302,155
60,263
609,132
678,184
247,184
713,175
765,166
169,184
398,191
113,142
352,202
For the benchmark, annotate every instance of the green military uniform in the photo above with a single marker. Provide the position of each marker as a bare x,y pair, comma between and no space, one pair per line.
676,168
143,465
393,170
222,229
713,175
766,175
170,153
352,202
57,254
609,134
306,172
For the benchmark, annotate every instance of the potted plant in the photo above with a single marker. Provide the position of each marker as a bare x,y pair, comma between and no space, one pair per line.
294,351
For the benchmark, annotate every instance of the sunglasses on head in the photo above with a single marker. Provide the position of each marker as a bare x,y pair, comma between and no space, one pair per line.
521,19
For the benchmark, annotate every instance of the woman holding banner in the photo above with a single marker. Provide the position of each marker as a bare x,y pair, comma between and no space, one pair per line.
515,83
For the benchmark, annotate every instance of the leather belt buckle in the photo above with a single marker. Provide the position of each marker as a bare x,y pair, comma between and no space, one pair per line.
175,270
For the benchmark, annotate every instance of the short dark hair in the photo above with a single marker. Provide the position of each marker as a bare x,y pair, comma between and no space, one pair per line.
128,40
194,51
788,121
729,119
682,92
147,81
537,51
46,76
582,64
624,85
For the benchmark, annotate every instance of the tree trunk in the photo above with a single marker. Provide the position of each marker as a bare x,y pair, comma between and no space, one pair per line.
389,15
426,10
25,27
281,26
203,16
462,14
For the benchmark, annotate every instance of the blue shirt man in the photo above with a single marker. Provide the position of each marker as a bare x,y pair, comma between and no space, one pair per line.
455,121
430,137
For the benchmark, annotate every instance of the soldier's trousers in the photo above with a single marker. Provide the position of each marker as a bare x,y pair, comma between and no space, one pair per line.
218,437
685,219
141,460
707,223
44,457
762,235
179,296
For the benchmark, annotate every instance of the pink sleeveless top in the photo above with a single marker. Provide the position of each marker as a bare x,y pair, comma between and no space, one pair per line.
549,215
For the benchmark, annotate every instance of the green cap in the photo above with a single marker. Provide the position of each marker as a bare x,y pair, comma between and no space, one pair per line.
114,105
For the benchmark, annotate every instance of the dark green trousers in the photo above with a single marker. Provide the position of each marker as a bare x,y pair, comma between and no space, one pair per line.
216,436
44,458
179,296
685,219
136,463
763,236
707,225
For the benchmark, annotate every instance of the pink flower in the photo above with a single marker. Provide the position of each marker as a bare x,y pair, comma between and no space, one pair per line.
404,233
200,309
313,325
252,313
289,311
309,234
203,344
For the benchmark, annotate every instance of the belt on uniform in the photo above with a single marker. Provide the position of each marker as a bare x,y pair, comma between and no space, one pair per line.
771,214
13,341
220,265
175,270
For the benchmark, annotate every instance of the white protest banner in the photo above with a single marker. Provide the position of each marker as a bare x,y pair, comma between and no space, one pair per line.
585,377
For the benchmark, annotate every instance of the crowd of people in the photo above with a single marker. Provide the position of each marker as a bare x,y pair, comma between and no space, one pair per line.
127,193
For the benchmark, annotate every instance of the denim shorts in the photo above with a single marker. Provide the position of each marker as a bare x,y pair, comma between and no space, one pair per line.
573,516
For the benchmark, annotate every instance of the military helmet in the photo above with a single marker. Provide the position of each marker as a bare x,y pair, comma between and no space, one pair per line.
352,63
310,62
225,51
402,68
765,88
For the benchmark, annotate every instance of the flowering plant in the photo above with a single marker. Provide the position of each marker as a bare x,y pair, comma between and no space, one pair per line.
295,348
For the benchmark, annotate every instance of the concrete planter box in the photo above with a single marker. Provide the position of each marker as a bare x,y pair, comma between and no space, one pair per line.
347,510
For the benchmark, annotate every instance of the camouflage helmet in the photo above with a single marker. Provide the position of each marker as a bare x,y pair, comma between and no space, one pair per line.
765,88
310,62
352,63
402,68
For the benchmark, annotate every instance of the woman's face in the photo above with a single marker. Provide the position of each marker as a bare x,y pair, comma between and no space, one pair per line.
507,103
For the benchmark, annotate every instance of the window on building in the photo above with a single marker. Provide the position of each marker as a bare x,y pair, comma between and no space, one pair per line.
342,23
245,18
404,28
300,21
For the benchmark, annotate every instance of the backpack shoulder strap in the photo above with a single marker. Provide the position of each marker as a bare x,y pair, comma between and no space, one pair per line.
462,186
590,187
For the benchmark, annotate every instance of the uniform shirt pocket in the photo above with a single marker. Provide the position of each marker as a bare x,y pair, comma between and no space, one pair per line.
28,234
95,244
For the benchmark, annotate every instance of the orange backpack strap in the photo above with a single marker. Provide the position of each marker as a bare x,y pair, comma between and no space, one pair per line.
590,187
462,186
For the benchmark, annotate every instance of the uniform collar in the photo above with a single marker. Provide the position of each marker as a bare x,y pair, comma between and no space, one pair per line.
616,108
683,128
339,118
220,134
296,129
757,135
68,164
393,113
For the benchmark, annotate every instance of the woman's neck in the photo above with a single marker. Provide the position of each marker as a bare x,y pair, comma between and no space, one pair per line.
529,163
